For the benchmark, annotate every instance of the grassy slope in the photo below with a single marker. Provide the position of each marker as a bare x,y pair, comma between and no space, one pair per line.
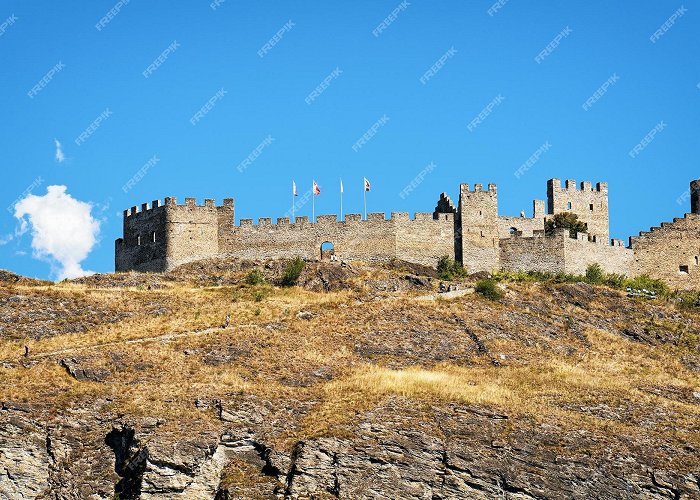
551,354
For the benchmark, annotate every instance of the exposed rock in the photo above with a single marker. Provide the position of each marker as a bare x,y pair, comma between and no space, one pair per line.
77,369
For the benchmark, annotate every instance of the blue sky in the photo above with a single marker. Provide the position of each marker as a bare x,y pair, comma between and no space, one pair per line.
216,49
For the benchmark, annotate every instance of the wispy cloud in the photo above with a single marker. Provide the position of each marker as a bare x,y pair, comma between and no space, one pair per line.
63,230
60,157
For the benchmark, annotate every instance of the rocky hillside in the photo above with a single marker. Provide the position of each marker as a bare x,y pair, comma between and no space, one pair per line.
360,382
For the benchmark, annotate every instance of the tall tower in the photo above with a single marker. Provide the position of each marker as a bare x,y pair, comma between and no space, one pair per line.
589,203
695,196
478,228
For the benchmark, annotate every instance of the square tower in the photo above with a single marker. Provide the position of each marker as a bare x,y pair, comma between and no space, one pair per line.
589,203
478,228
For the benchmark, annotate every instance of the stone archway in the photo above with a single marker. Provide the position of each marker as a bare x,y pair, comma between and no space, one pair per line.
327,251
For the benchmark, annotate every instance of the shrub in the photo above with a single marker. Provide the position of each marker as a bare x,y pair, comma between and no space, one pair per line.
615,280
565,220
255,277
688,300
449,269
595,274
488,288
259,295
292,271
645,282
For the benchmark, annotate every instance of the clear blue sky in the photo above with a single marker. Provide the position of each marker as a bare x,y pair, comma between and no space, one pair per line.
218,48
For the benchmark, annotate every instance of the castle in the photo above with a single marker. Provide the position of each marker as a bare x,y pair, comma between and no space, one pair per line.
160,237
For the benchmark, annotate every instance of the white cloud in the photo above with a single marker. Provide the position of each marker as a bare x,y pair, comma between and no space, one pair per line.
63,230
59,152
4,240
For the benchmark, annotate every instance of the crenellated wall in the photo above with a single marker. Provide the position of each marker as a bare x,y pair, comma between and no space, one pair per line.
159,237
670,252
561,253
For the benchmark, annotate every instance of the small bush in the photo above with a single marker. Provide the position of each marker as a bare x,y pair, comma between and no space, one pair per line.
255,277
595,274
257,312
688,300
645,282
259,295
449,269
489,288
615,280
292,271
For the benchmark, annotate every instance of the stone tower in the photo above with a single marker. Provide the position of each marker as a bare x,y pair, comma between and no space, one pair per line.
695,197
590,204
478,224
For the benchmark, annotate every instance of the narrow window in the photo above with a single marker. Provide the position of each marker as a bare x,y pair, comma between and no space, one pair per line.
591,207
138,240
683,269
153,237
568,206
696,260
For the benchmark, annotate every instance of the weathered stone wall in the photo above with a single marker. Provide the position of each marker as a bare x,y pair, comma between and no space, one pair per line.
580,253
422,240
136,249
561,253
537,253
591,205
662,251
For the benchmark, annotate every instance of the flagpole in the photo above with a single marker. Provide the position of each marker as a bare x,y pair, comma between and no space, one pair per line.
364,194
341,199
293,217
313,202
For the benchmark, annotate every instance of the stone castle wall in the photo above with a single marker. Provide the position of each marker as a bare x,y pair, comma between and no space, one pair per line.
371,240
561,253
670,252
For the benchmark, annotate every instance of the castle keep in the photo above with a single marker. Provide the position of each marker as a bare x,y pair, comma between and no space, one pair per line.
159,237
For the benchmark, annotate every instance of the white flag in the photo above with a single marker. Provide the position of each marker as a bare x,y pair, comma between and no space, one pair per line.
341,185
366,184
315,188
294,189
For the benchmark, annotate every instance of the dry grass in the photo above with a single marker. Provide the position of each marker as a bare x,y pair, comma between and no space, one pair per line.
350,356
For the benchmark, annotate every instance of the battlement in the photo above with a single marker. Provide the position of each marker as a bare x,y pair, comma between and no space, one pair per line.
570,185
478,188
330,219
171,202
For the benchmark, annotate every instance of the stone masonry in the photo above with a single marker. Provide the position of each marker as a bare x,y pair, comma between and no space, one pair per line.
159,237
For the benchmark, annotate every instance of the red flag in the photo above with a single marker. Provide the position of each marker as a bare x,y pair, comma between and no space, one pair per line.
366,184
316,189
